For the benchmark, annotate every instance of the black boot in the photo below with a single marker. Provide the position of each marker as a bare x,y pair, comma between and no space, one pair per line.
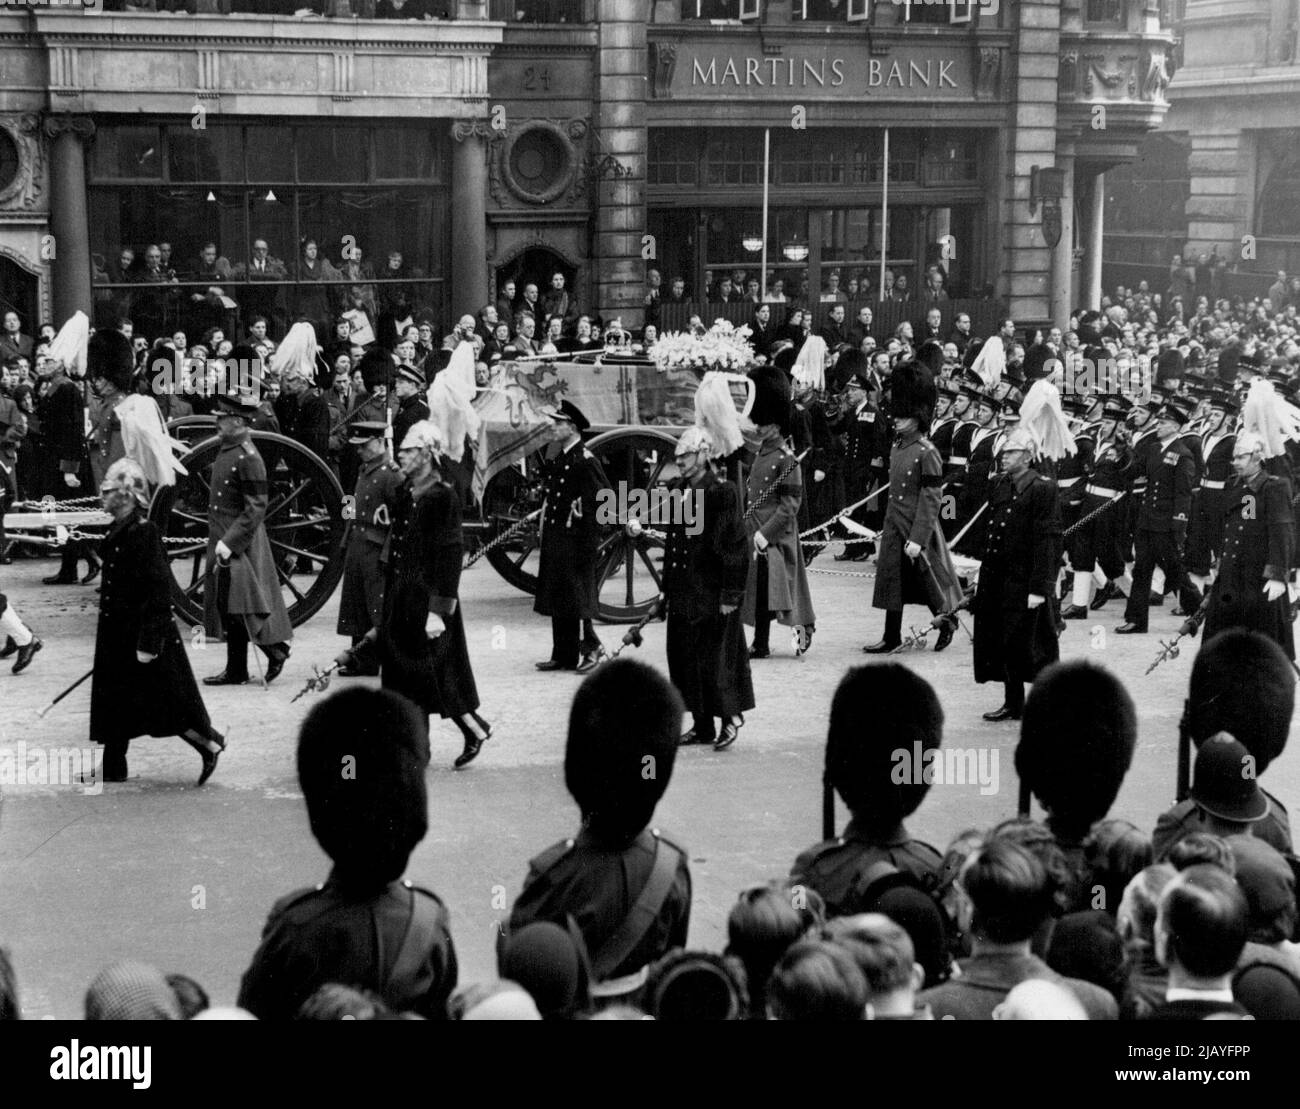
476,734
893,634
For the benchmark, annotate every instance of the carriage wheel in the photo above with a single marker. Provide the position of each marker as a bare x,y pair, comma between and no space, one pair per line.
304,523
509,497
629,567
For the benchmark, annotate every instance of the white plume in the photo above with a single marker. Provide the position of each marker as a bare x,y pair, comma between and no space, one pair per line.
715,412
145,440
991,362
1269,416
1041,415
69,345
451,402
297,354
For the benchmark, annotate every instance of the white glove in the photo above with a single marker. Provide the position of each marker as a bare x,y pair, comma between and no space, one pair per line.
72,481
1035,600
912,549
434,626
819,475
1274,589
224,553
727,610
140,656
760,542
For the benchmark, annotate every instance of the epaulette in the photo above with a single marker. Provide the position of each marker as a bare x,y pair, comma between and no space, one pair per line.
588,455
552,855
407,884
296,898
247,447
659,833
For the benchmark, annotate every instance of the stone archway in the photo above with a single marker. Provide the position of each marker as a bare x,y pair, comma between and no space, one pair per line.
20,291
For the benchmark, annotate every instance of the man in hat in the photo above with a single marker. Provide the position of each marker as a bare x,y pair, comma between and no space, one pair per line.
913,566
705,565
411,409
17,637
1097,548
241,589
377,371
1226,799
364,925
944,424
973,451
567,589
302,411
378,483
1015,632
1258,547
626,885
777,583
877,712
1217,445
1162,522
864,429
60,415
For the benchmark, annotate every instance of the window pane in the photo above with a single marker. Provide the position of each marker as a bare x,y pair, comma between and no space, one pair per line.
127,152
404,153
269,154
211,154
332,153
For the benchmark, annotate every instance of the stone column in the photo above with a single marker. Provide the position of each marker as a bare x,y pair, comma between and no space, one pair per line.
1063,253
69,223
1094,228
469,282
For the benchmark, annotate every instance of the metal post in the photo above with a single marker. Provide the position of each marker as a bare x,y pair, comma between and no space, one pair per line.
767,155
884,219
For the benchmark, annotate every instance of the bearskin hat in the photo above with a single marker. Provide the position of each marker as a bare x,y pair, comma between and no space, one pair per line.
930,355
1040,361
912,393
109,355
771,398
1076,743
623,731
852,363
376,368
877,711
1242,683
362,755
1170,365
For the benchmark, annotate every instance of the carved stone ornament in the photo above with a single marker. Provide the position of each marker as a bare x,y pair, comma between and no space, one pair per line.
1157,76
1069,74
25,184
663,64
464,129
990,66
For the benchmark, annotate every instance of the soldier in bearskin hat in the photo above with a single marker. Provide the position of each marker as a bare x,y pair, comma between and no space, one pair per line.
878,711
913,566
362,759
142,681
625,884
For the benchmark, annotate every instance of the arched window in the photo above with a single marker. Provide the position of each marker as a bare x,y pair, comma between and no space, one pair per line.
1278,211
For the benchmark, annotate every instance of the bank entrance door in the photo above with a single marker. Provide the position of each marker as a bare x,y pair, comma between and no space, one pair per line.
534,267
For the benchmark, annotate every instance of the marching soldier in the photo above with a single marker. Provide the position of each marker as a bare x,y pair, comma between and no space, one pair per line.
241,590
972,493
1210,502
866,445
567,589
1015,632
945,421
1072,474
1257,541
379,483
1143,440
1099,544
408,384
1162,522
18,638
913,566
705,566
958,457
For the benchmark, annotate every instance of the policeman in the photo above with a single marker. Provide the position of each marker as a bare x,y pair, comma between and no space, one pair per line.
624,883
379,482
241,589
411,409
1162,522
364,926
1216,447
567,589
1257,540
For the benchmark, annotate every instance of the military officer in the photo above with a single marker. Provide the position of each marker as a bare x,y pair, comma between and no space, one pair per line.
17,637
1098,546
1257,540
379,482
1162,522
866,445
567,589
973,485
945,421
241,590
1015,633
408,384
1216,447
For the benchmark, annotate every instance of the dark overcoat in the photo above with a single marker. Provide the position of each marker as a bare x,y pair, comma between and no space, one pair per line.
566,576
774,510
1258,535
1022,556
130,698
236,515
425,551
378,488
707,658
915,499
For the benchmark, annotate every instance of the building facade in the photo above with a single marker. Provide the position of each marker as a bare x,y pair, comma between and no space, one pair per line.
512,139
1222,175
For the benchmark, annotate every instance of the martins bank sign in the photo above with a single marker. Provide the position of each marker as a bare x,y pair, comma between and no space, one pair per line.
705,71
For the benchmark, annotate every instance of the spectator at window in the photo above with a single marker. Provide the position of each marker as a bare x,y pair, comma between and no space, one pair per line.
934,292
411,9
560,302
529,305
524,344
398,299
677,293
834,330
506,302
776,291
13,343
359,294
311,299
832,293
262,266
653,282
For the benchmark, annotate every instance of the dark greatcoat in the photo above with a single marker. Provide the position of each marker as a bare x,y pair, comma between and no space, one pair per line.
425,552
708,661
236,511
1022,557
566,576
1258,534
130,698
915,497
774,510
61,446
379,486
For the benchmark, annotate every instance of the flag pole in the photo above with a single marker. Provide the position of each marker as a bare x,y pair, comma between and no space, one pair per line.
884,218
767,155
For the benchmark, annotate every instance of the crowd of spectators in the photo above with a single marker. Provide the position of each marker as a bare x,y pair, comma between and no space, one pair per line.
1079,916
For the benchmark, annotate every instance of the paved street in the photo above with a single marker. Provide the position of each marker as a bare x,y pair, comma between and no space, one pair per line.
183,878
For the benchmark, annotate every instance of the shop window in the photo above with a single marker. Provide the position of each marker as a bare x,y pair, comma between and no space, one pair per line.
717,9
211,154
673,160
734,161
824,11
268,154
1279,200
403,156
1104,11
331,153
1150,194
128,153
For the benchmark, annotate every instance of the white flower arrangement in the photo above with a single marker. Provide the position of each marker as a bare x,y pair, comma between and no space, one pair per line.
723,347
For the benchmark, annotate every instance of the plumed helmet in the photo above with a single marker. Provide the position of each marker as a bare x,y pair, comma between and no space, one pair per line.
109,355
877,711
771,398
622,742
376,368
423,435
695,439
1076,743
362,754
912,393
126,476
